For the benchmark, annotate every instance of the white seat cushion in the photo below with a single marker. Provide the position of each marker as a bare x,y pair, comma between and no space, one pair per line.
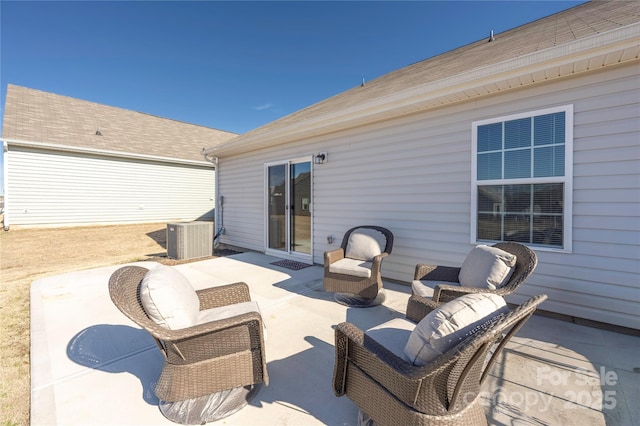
168,298
424,288
365,244
446,326
353,267
227,311
487,267
393,335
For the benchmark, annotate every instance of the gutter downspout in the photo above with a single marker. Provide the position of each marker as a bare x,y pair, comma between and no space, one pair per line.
5,186
218,206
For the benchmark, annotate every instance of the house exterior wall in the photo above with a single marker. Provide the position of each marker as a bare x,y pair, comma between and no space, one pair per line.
413,176
55,188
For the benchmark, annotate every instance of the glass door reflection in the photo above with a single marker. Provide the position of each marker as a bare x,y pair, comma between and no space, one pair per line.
277,205
300,211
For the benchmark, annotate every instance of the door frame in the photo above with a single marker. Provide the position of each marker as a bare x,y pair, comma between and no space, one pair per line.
288,253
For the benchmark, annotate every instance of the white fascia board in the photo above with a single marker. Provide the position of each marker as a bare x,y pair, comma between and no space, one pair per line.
420,97
103,152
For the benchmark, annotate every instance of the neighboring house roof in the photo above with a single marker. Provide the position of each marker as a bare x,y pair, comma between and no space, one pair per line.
37,118
589,36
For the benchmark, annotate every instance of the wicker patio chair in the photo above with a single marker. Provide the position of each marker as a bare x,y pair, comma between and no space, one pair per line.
392,391
352,271
201,360
445,284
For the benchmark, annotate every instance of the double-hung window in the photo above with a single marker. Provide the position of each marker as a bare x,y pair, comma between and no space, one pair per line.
522,178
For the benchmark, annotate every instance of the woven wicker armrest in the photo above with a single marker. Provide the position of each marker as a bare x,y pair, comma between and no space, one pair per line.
524,310
512,322
194,331
445,292
218,338
418,307
214,339
333,256
228,294
380,256
226,323
436,273
376,262
395,374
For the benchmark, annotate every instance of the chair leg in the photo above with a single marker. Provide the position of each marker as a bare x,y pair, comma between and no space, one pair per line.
355,301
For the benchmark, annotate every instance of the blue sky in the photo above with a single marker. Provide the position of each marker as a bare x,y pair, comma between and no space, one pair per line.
238,65
233,65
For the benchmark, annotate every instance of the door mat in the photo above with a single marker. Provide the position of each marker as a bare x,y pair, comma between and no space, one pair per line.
225,252
291,264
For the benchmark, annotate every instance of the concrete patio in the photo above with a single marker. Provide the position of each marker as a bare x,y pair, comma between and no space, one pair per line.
91,365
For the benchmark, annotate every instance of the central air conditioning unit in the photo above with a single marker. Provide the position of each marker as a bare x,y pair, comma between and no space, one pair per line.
189,240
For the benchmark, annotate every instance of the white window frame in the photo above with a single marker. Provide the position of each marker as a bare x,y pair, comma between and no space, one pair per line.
566,180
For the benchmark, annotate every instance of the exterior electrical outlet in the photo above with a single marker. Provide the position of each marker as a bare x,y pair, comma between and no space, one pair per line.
189,240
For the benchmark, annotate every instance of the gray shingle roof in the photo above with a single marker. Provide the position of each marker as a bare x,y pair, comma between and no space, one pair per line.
430,77
36,116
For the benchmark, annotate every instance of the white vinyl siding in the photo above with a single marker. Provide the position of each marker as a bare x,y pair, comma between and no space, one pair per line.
60,188
413,174
242,214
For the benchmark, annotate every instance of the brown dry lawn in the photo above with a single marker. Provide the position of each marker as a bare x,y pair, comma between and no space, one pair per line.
29,254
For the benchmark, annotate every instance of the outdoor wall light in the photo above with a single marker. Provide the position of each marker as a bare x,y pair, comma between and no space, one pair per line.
320,158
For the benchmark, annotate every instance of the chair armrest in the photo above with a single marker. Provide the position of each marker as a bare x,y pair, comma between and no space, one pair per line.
376,262
205,328
418,307
436,273
229,294
380,256
224,324
333,256
445,292
218,339
399,377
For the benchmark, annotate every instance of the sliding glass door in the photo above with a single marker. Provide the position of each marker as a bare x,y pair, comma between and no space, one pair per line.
289,206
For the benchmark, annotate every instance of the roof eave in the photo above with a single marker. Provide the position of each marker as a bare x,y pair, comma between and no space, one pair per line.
101,152
595,52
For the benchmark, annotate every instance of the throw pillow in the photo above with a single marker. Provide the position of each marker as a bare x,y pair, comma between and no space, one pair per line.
449,324
487,267
168,298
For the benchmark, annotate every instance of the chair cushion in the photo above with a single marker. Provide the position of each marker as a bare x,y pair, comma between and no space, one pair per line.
365,244
168,298
424,288
487,267
227,311
353,267
393,335
446,326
